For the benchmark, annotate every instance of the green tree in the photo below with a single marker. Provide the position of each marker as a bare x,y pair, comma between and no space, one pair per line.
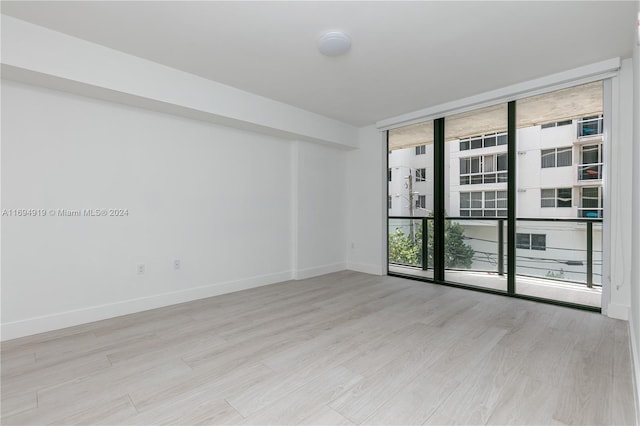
404,250
408,251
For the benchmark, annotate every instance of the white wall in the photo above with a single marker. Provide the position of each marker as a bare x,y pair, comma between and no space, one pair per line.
38,55
218,199
634,321
366,181
618,193
321,222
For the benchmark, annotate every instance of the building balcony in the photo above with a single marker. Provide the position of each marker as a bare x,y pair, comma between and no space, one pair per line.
590,212
484,178
589,172
590,127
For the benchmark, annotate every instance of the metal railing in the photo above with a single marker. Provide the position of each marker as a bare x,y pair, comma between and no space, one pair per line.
590,127
591,171
578,261
590,212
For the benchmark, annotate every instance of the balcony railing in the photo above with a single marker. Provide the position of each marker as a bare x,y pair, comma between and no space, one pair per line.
590,127
590,212
591,171
480,178
558,249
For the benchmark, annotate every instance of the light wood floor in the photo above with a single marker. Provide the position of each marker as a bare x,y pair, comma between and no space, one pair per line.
344,348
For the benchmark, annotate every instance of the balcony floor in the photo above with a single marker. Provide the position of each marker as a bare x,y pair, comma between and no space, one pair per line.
529,286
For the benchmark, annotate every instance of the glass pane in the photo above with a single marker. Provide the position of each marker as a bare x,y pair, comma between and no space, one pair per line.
564,197
502,162
476,179
471,238
490,199
476,200
547,198
464,166
590,154
548,158
476,143
405,242
488,163
590,197
465,198
538,242
548,193
554,265
523,241
475,165
489,141
411,192
564,157
502,199
490,178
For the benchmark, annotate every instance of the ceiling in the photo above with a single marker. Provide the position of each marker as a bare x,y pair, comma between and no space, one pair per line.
405,55
565,104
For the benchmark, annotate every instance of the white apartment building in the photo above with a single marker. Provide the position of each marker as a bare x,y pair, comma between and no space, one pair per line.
559,172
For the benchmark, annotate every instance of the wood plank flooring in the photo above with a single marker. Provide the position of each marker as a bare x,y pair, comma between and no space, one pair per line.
345,348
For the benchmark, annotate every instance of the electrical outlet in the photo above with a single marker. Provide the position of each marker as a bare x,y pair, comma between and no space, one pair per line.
140,269
176,264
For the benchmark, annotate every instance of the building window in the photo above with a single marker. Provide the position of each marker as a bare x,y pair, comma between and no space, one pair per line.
421,175
591,162
483,203
421,201
483,169
555,197
531,241
421,149
389,175
590,202
556,157
590,126
483,141
556,124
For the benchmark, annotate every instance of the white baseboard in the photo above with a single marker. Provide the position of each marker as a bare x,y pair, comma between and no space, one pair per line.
617,311
27,327
302,274
366,268
635,364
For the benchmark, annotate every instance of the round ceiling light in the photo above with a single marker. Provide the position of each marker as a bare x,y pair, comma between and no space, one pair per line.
334,43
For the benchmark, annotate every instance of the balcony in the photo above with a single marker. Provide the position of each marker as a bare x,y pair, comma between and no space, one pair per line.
589,127
483,178
590,212
589,172
556,259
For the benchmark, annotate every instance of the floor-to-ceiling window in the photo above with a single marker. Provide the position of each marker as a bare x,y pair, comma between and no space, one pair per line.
475,193
510,196
410,199
559,195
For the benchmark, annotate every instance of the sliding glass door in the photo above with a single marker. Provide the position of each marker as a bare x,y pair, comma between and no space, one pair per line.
506,198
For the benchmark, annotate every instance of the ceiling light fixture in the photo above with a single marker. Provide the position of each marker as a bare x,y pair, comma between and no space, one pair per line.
334,43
